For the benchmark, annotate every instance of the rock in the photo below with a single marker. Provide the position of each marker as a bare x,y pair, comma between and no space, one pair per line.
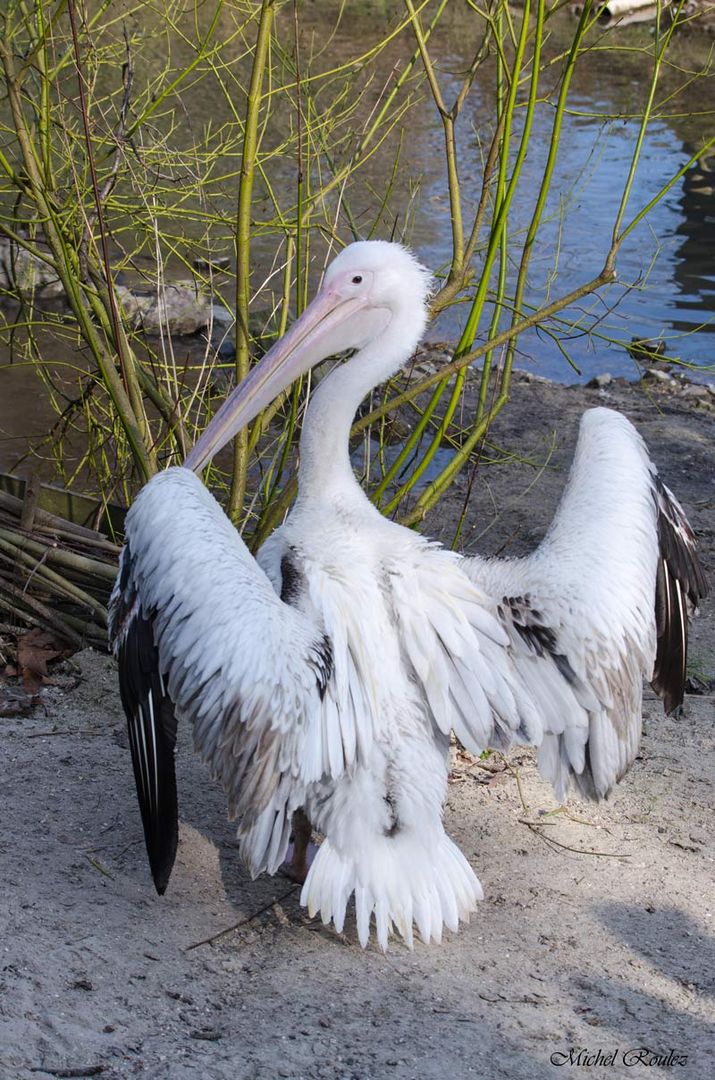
425,367
600,382
219,334
397,428
645,349
212,264
221,317
698,395
179,308
662,377
23,273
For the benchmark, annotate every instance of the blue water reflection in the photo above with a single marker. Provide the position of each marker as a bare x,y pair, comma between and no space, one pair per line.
666,267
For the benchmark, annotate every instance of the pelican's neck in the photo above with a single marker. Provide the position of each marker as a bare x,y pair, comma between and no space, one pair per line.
325,468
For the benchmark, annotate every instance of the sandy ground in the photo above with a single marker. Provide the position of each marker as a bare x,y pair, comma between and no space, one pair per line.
596,932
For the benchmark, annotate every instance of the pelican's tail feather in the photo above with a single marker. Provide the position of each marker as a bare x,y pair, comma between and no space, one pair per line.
403,880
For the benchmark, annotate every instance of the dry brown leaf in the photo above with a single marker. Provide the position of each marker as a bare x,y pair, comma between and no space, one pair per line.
35,650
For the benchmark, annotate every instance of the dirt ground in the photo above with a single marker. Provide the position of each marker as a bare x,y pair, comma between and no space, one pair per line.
595,935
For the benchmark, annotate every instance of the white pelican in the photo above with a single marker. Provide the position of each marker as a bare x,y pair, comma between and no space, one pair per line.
326,675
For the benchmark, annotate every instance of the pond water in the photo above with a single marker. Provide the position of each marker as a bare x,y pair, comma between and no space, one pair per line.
666,268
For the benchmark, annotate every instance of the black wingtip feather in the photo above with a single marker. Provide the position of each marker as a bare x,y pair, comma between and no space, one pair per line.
162,839
152,739
680,585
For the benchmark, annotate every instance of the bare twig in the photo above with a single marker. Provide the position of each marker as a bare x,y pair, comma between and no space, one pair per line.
98,866
243,921
536,826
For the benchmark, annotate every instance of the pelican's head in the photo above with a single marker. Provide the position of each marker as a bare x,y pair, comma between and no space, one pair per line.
385,282
372,290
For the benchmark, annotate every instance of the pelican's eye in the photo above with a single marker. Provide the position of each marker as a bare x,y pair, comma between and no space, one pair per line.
357,279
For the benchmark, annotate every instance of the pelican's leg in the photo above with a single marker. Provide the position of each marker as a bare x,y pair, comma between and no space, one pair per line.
296,866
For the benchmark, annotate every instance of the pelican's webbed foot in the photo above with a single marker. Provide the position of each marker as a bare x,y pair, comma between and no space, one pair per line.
301,852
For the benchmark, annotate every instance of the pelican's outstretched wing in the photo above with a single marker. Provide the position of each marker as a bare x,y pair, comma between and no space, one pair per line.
196,625
602,602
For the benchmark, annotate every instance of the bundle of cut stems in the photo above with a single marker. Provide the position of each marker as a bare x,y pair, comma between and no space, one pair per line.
54,574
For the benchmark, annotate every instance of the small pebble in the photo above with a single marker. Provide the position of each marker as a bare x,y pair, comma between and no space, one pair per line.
600,382
695,391
654,375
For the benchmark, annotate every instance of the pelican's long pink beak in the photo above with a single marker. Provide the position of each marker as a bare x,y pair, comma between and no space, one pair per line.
308,341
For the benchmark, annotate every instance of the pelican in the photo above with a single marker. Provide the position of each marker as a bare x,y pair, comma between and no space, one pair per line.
322,679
